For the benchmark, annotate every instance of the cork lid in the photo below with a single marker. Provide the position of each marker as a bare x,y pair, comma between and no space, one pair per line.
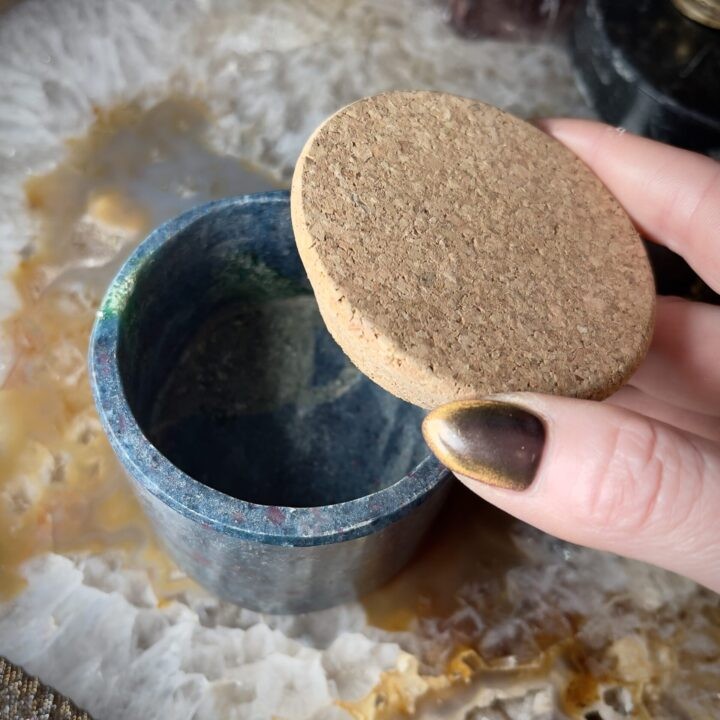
457,251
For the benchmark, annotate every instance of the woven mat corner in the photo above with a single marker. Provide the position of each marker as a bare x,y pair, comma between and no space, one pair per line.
23,697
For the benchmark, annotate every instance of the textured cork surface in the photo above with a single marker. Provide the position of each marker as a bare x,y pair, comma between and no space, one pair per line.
457,251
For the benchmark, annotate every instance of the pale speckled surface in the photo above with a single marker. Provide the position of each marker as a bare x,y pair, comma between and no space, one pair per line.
457,252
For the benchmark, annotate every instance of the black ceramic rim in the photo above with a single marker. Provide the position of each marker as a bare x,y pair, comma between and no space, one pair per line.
275,525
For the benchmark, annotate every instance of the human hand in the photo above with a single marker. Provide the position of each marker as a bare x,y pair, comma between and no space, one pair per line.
638,474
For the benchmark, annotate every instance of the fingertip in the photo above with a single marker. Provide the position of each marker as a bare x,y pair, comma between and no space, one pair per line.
573,128
582,137
547,124
615,480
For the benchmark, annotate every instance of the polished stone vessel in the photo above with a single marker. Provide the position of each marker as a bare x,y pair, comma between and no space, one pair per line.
277,475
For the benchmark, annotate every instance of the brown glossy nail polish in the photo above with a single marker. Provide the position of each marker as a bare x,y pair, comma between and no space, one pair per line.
494,442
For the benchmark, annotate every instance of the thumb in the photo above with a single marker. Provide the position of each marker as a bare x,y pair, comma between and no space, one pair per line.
590,473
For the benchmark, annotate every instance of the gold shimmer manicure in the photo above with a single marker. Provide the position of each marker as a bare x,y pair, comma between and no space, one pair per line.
494,442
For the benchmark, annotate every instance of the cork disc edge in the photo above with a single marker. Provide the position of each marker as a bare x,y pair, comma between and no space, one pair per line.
375,354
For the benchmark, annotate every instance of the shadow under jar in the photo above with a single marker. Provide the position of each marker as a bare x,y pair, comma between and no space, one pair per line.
278,475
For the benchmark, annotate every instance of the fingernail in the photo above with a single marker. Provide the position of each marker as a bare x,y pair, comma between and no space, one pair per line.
494,442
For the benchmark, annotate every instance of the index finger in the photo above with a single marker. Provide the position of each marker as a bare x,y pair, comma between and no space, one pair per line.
672,195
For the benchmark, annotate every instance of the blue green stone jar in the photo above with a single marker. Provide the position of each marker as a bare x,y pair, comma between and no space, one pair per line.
276,474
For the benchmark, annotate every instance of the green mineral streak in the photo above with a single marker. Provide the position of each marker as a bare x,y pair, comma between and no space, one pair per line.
243,278
116,299
246,278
